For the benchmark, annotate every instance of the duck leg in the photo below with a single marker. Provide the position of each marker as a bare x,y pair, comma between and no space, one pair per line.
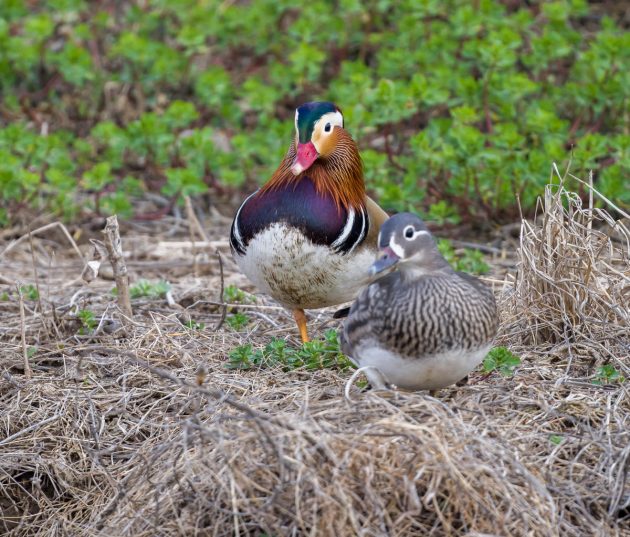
300,319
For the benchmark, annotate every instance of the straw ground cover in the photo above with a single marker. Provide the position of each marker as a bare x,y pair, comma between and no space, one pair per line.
142,430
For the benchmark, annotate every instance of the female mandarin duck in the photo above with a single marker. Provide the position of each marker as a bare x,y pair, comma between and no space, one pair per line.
423,326
308,236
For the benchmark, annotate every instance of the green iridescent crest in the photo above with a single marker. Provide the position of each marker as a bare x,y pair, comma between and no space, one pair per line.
308,114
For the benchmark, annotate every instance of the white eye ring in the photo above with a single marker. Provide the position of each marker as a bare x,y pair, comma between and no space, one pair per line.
409,232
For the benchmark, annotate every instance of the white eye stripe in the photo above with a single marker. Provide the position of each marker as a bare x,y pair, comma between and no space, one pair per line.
414,234
334,118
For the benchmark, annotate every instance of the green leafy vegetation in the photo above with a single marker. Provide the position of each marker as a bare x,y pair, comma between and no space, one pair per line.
316,354
194,325
237,321
88,321
457,107
144,288
468,260
608,374
502,360
234,295
29,292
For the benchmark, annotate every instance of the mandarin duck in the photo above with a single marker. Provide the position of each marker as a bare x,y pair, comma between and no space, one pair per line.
308,236
421,326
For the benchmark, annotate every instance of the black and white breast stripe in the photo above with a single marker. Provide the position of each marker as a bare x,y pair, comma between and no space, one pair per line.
353,232
318,224
236,239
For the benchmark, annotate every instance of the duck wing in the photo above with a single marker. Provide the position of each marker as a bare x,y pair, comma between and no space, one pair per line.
367,314
377,216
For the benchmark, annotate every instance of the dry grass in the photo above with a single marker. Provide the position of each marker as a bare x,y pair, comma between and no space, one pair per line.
573,281
150,435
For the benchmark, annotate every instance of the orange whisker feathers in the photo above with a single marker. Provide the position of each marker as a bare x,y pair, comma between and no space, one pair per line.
340,173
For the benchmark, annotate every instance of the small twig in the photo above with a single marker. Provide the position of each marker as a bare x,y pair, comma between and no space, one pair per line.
27,367
235,305
221,292
602,197
6,281
194,221
190,213
476,246
589,224
40,230
117,260
28,429
165,248
39,295
390,153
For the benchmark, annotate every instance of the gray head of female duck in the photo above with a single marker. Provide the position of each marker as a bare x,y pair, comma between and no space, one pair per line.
405,243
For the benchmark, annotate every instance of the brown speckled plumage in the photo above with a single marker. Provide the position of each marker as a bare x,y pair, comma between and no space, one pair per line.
424,326
433,314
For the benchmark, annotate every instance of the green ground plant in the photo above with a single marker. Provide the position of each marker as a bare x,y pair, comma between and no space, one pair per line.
29,292
237,321
465,260
316,354
145,288
234,295
88,321
502,360
458,107
191,324
608,374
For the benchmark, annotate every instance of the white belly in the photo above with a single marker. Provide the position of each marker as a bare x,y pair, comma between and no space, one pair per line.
300,274
426,373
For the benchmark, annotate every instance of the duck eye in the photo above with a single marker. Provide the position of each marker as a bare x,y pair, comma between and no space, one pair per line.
327,127
409,232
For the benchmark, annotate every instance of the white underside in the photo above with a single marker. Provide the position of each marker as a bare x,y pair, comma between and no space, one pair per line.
299,274
426,373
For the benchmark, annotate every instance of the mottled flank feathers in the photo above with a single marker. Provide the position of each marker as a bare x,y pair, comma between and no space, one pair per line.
441,312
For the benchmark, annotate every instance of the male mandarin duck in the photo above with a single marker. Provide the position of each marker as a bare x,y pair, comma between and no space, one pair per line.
308,236
423,326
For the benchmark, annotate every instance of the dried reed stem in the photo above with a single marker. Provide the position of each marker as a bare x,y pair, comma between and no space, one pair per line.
117,260
28,373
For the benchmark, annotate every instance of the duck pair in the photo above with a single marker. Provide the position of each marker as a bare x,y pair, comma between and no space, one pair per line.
310,238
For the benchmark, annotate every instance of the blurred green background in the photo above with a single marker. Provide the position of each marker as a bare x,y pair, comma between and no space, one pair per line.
459,107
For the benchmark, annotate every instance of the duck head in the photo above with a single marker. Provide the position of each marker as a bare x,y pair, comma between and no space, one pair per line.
405,242
316,126
323,152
